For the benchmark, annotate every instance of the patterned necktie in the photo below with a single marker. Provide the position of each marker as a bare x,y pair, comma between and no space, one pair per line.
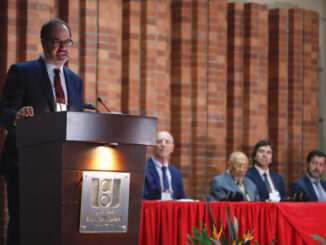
165,179
267,183
242,188
321,197
59,94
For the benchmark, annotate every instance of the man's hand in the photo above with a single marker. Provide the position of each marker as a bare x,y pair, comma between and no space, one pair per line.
26,111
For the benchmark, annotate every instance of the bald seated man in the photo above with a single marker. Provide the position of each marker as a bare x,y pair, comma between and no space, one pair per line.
234,180
162,180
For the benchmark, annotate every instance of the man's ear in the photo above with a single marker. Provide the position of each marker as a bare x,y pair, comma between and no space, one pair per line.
228,164
43,42
324,167
172,148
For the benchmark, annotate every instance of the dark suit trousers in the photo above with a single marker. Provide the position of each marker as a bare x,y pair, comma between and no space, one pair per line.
13,207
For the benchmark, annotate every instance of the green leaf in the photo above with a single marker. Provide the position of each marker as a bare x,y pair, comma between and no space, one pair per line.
205,233
232,233
318,238
256,243
193,240
273,241
211,220
235,225
224,238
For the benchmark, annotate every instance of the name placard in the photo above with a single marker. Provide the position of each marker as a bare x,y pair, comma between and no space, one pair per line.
104,202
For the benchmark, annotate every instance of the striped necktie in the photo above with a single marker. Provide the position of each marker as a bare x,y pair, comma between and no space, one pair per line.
59,94
165,179
320,193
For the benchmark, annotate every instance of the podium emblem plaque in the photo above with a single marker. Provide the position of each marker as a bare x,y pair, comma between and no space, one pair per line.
104,202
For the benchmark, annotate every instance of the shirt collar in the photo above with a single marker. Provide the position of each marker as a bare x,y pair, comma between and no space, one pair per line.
158,164
50,66
261,171
236,180
312,180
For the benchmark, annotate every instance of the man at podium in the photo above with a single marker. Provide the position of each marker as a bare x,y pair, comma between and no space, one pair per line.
162,180
32,88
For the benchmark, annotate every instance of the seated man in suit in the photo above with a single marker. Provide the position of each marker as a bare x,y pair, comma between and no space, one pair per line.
311,184
270,184
234,180
162,180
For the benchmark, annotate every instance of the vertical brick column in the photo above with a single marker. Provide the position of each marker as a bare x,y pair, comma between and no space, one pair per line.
4,38
295,59
199,179
216,87
255,75
33,15
163,68
69,12
109,53
181,87
310,82
155,63
277,87
131,52
88,48
235,76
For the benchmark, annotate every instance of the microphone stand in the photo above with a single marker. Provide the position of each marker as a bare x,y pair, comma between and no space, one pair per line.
100,100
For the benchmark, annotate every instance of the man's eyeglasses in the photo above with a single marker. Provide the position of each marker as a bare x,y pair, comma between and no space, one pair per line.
56,43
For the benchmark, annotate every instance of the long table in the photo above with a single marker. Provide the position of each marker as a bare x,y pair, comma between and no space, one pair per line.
169,222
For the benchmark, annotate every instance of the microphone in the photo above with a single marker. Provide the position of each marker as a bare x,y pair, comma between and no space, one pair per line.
90,106
100,100
299,197
234,197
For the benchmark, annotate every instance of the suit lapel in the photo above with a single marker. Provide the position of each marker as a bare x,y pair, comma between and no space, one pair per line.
249,190
65,72
174,188
323,184
45,84
310,188
231,182
262,189
154,173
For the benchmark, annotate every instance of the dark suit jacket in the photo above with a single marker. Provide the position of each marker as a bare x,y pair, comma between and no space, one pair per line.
28,84
253,174
304,185
223,184
152,186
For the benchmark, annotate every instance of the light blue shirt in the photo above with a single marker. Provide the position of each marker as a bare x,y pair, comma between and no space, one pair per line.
158,167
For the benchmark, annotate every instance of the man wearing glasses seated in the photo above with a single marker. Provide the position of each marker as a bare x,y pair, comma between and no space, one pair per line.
32,88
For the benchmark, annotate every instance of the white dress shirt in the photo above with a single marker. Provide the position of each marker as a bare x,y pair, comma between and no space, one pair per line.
50,68
158,167
312,180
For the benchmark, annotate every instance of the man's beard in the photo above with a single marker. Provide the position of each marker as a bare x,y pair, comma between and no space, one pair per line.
238,180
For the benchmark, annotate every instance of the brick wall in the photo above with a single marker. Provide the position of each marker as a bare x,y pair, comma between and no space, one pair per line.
219,76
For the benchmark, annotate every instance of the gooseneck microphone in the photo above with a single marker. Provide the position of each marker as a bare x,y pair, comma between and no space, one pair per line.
100,100
90,106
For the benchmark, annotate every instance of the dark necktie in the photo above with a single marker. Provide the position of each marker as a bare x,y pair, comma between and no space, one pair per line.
165,179
267,183
59,94
321,197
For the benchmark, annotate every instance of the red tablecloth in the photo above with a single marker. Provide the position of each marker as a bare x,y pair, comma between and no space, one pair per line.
169,222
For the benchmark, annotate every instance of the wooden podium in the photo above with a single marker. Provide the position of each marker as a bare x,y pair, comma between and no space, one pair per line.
54,150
